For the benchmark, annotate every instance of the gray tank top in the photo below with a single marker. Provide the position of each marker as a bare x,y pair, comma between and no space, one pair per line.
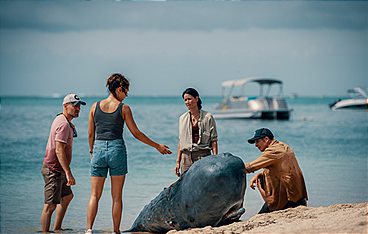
109,126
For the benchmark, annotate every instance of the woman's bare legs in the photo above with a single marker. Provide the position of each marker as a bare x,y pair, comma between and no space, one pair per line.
97,184
117,184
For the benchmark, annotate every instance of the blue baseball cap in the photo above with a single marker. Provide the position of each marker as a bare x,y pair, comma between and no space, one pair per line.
260,133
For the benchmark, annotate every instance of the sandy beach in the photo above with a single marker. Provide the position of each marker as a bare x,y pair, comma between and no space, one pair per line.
340,218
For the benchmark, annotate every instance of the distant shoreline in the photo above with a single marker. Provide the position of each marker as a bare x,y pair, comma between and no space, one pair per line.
61,96
99,96
339,218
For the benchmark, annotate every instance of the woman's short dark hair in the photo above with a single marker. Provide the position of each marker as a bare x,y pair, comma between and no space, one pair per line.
115,81
195,94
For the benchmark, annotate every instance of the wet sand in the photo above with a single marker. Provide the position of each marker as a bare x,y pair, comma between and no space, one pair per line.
340,218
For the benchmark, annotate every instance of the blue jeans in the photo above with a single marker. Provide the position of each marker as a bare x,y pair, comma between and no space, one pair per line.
109,155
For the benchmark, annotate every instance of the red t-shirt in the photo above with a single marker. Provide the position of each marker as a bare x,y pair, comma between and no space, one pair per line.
61,131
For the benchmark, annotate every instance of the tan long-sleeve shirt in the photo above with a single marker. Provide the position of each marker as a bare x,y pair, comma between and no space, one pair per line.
283,178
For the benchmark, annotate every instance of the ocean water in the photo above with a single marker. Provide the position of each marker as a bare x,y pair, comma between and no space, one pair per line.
331,147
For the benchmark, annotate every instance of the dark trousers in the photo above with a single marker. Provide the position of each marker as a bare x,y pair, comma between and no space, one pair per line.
290,204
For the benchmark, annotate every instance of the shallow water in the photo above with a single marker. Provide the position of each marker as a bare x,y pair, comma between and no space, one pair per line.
331,148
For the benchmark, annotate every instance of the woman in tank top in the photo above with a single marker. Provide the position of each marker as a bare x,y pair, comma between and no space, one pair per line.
197,132
107,147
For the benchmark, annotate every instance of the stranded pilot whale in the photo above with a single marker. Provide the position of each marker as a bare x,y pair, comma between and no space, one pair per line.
211,192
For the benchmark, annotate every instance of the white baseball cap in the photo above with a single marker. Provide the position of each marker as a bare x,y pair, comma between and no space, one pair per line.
74,98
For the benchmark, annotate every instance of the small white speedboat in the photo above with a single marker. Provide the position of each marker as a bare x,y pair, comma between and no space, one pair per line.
261,106
358,100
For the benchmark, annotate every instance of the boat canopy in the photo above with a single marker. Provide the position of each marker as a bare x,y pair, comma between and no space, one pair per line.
242,82
229,85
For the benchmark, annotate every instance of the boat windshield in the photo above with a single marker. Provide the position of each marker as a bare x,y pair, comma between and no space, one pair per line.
357,92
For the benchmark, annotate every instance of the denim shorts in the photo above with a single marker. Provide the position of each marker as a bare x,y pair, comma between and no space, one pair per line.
109,155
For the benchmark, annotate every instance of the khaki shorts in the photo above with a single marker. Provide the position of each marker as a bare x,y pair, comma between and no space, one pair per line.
188,158
55,186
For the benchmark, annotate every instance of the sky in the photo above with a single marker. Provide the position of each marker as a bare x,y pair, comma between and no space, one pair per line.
317,48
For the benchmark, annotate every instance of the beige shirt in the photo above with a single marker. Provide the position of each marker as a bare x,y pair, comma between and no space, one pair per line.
283,178
207,132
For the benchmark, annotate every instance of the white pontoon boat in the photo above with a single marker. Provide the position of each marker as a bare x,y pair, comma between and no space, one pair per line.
262,106
358,100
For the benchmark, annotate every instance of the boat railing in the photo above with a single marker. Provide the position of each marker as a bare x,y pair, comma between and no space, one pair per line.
280,103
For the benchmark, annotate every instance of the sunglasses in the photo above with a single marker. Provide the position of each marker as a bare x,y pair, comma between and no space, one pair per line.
125,91
75,134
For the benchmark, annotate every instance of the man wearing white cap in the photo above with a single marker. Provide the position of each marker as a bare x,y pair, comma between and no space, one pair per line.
56,170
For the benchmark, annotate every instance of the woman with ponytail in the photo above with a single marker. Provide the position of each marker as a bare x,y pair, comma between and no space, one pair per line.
107,147
197,132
